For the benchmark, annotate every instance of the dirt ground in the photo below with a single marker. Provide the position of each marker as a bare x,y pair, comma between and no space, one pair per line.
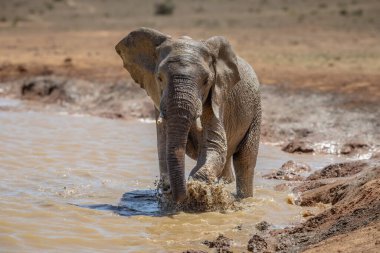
329,45
318,62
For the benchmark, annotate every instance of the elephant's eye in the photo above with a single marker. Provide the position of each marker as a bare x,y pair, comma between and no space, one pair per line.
206,81
159,78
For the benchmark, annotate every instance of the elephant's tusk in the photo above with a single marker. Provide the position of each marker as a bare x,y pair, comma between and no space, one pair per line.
160,119
198,124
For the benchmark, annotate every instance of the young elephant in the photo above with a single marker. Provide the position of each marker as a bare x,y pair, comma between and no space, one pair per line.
207,103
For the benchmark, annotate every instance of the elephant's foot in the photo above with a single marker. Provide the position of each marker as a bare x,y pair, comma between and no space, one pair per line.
227,176
244,185
203,174
164,184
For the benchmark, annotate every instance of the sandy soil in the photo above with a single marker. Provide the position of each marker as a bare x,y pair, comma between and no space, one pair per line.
319,62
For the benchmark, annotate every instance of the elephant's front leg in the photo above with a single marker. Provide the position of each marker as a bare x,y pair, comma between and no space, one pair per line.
161,148
213,149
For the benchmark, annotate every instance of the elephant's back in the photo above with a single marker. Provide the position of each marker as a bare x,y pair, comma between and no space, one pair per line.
249,81
243,105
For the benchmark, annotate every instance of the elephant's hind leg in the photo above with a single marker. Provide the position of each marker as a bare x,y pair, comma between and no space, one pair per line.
227,175
245,161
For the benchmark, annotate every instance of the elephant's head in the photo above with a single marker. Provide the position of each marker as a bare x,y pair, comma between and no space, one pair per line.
180,75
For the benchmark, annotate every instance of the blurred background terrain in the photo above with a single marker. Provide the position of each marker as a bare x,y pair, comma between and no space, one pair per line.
329,45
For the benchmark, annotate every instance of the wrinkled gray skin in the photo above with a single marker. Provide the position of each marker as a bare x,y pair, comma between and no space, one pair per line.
207,104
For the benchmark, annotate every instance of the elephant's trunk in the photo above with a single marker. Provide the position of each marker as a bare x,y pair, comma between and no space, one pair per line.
181,113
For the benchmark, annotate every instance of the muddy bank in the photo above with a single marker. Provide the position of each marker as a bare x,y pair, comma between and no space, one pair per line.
304,121
120,99
353,191
350,224
301,121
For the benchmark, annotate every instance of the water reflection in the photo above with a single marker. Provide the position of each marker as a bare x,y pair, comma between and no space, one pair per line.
138,202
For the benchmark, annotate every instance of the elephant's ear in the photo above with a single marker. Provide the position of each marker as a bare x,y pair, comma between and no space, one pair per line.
226,70
138,52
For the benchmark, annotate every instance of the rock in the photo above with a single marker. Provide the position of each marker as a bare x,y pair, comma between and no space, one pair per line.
291,199
49,89
262,226
295,167
22,69
257,244
282,187
46,71
297,146
353,147
224,250
307,213
302,132
290,171
67,60
221,242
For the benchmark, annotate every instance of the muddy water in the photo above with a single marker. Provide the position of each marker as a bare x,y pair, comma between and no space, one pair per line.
79,183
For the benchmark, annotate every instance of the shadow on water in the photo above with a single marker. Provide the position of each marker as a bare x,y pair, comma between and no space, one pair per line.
138,202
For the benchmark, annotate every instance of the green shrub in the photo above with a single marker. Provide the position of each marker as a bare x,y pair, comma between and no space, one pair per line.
164,8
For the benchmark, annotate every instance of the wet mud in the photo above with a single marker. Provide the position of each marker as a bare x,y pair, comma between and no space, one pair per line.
300,120
350,223
117,100
308,121
354,196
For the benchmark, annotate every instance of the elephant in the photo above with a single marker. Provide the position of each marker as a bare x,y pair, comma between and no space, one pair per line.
207,106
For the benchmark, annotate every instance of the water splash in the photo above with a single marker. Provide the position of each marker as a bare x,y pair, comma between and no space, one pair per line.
201,197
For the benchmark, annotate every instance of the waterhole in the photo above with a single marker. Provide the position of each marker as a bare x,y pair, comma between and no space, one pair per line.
73,183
